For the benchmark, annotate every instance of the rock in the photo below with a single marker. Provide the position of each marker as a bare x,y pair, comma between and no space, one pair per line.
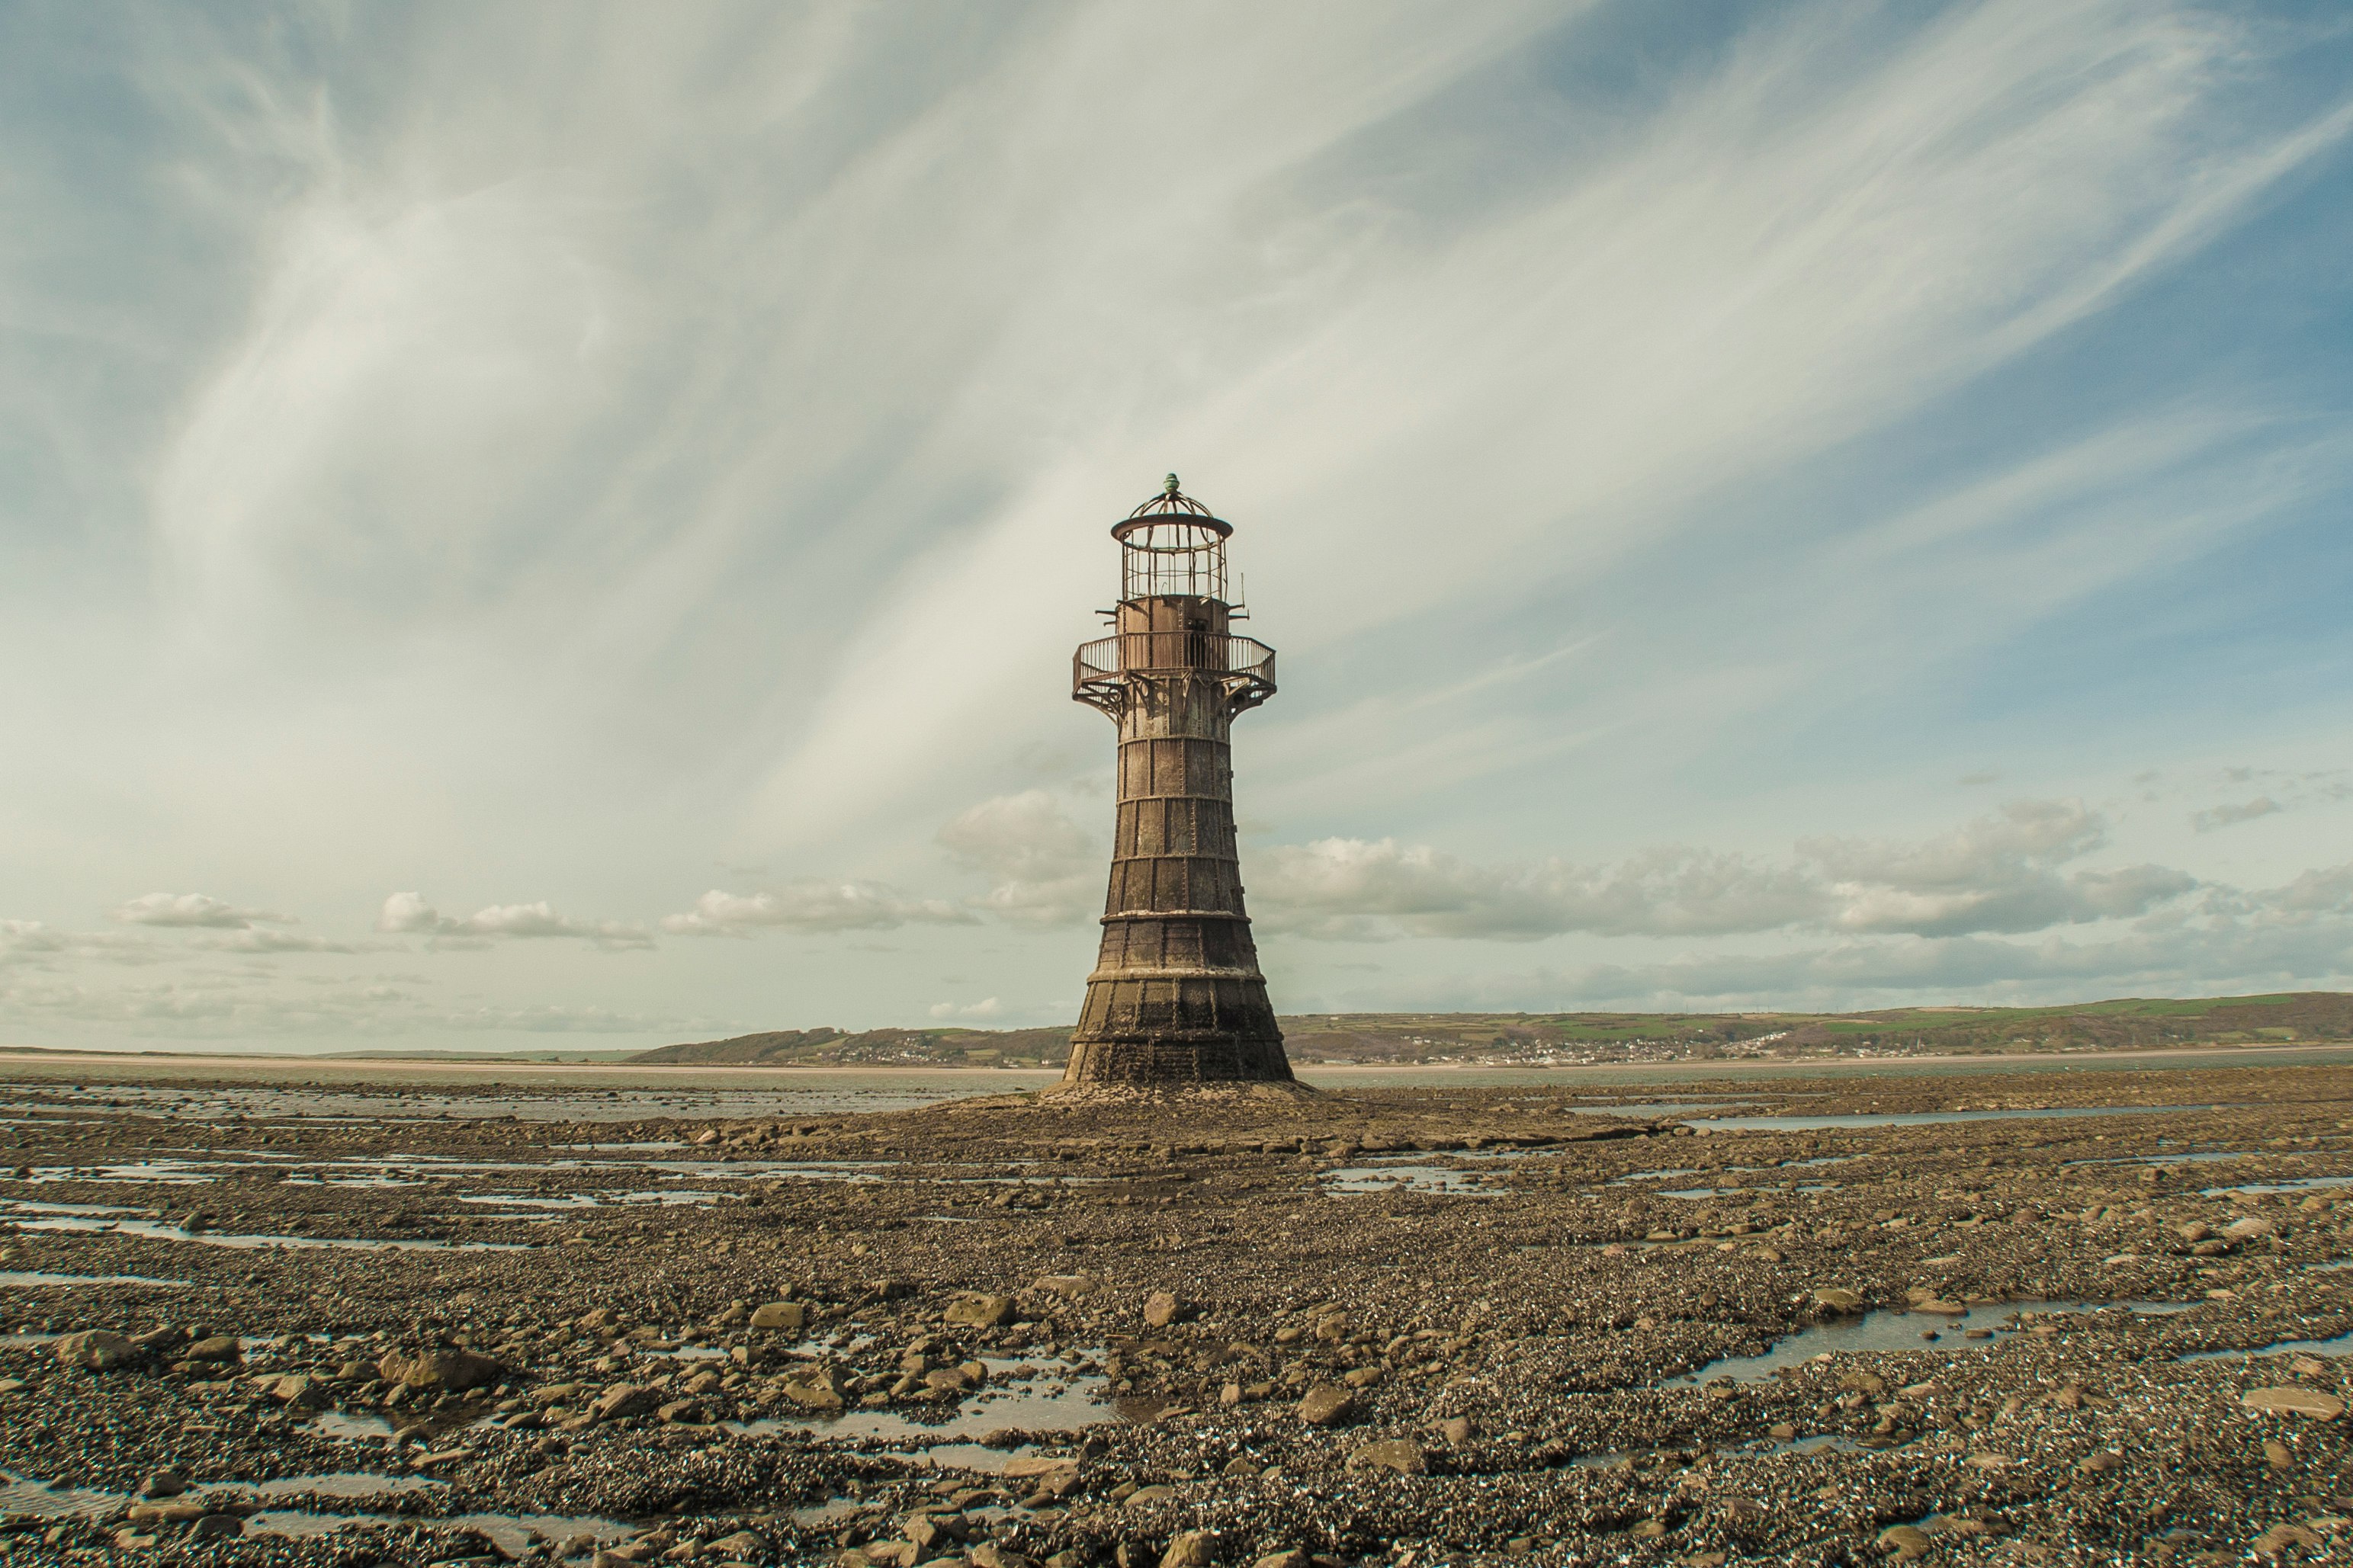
989,1554
1742,1510
820,1388
972,1309
623,1399
1398,1454
96,1350
299,1390
1026,1466
2101,1463
2278,1455
742,1544
2307,1402
1362,1377
1161,1308
604,1320
1327,1404
1456,1430
1292,1558
2247,1228
217,1347
1068,1287
928,1534
162,1484
440,1369
681,1413
216,1527
2280,1537
1191,1549
1145,1497
1904,1541
773,1316
1835,1299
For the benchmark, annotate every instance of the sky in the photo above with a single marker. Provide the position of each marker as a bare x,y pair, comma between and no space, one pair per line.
562,526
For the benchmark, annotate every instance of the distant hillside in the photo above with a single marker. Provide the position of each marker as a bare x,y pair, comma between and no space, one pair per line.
878,1048
1502,1039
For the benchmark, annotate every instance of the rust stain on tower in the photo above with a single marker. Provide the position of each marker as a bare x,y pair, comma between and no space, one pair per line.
1176,995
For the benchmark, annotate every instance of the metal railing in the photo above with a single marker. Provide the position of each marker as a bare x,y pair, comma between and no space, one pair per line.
1245,665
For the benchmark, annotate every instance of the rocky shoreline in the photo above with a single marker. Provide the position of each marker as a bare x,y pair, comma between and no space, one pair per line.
1404,1327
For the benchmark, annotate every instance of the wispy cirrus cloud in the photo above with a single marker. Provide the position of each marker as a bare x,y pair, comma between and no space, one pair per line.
2233,814
1046,870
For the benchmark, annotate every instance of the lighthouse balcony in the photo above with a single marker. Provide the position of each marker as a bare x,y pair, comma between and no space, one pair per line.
1244,666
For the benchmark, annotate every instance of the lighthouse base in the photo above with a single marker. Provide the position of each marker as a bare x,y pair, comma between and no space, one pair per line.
1159,1059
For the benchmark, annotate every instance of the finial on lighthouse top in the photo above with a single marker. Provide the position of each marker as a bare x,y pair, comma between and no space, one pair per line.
1173,504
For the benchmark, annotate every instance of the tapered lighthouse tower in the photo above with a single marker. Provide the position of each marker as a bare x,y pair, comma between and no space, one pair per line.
1176,995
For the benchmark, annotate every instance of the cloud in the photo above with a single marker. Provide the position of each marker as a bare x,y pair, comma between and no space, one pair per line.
407,914
1997,873
987,1008
192,910
811,907
1049,870
36,944
259,940
1352,889
2230,816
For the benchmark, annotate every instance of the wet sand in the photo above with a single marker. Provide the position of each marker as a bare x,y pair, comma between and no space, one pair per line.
388,1312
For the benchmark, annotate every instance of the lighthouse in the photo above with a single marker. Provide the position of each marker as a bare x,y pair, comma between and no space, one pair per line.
1177,996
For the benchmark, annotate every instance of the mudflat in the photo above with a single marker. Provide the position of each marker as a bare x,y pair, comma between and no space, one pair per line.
306,1313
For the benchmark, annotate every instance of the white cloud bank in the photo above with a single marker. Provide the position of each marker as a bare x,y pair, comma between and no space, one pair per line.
407,914
2001,873
810,908
193,910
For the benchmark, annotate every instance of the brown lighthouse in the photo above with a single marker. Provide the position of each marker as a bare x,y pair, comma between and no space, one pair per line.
1176,995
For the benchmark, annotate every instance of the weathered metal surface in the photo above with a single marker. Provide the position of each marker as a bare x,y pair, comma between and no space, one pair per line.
1177,994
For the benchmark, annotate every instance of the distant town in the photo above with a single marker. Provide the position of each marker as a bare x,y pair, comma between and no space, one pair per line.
1581,1039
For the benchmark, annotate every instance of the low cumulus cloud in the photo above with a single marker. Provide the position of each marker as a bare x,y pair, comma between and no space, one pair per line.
1046,870
193,910
2004,872
987,1008
812,907
2228,816
407,914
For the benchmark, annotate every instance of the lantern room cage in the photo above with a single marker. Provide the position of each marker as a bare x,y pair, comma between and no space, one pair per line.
1171,547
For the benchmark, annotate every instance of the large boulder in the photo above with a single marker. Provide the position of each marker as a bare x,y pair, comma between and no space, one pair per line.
2311,1403
975,1309
443,1369
97,1350
780,1317
1327,1404
623,1399
1401,1455
818,1388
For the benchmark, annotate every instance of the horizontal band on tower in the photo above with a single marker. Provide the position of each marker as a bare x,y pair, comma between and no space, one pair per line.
1149,976
1175,915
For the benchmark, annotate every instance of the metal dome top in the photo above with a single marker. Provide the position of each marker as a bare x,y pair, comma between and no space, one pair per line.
1171,505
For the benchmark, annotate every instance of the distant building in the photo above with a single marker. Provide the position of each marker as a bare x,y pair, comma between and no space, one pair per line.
1176,995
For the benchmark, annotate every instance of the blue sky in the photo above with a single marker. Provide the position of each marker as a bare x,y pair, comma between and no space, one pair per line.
528,525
